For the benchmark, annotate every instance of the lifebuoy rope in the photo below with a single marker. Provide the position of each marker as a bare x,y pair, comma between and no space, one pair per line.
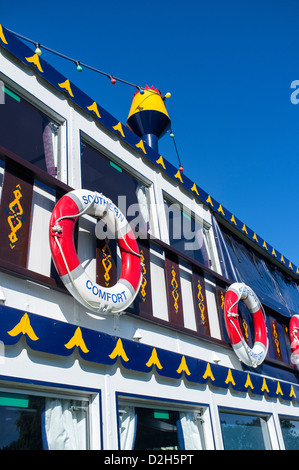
57,228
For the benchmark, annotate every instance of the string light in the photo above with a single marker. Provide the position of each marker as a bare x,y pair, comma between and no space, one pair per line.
80,65
181,169
113,80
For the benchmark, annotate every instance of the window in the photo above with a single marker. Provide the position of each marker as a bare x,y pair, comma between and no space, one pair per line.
290,432
32,422
28,132
244,431
129,194
148,428
187,234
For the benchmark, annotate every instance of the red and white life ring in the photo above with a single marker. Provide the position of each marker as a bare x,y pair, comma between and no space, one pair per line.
97,298
255,356
294,334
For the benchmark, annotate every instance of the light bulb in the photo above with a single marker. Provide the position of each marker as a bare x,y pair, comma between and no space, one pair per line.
79,68
37,50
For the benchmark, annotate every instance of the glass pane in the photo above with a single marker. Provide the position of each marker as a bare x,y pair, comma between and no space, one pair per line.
153,429
290,432
27,132
244,432
20,422
156,429
127,193
35,423
186,234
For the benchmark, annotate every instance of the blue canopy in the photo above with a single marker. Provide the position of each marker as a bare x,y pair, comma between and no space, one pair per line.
241,263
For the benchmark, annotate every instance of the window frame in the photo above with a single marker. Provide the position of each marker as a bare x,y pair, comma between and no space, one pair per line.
63,392
60,140
189,212
252,413
130,171
290,418
160,403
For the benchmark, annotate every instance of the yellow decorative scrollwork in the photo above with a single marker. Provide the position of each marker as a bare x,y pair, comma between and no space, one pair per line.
245,326
106,262
275,338
222,300
201,304
143,281
175,290
15,216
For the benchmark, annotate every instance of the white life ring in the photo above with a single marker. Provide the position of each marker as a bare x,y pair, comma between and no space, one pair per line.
294,340
97,298
255,356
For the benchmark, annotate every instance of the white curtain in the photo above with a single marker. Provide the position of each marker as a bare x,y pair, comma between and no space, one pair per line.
143,207
65,429
128,423
191,429
48,133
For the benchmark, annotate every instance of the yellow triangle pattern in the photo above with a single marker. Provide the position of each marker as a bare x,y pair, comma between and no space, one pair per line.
208,373
35,60
140,146
229,378
119,351
154,360
77,340
178,176
119,128
24,327
160,161
94,107
66,86
194,188
2,37
183,367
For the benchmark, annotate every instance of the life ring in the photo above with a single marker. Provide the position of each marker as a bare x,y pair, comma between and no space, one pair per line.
294,333
255,356
97,298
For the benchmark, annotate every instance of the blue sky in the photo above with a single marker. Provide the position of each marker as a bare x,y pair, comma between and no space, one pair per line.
229,66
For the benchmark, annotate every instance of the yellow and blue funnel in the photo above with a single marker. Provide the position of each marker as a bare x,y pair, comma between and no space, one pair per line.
148,117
